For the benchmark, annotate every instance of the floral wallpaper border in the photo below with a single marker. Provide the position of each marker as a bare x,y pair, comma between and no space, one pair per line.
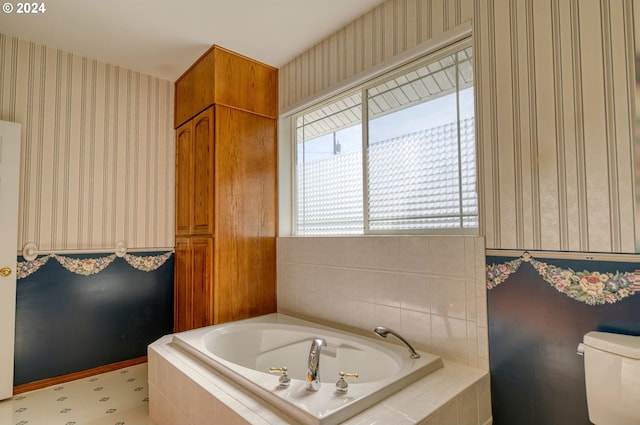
89,266
592,288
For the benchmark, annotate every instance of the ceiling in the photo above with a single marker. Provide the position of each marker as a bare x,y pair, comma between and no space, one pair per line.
164,37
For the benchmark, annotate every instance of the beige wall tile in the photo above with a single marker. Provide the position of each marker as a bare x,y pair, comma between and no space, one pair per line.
387,316
206,409
384,253
448,298
484,399
471,300
472,344
467,404
449,337
287,251
414,255
447,256
415,292
387,289
416,326
448,415
363,315
424,306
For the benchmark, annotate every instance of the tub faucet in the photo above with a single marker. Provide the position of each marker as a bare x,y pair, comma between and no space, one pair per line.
313,368
383,332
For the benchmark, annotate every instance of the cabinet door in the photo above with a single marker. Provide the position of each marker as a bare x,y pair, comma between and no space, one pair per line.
184,196
246,160
203,174
193,274
182,286
202,281
194,176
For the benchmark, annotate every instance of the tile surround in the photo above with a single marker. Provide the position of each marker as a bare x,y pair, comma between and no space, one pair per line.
429,288
186,391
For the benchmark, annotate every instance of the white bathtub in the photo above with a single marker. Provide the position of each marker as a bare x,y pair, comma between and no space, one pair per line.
245,350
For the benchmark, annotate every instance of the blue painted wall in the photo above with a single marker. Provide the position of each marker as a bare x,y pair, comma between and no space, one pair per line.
534,331
67,322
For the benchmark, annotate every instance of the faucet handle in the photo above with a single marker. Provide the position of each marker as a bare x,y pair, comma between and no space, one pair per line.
342,386
284,379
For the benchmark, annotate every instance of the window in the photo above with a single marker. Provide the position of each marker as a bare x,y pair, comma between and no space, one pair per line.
417,170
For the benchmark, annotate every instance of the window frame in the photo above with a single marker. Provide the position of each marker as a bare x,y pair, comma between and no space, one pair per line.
390,75
363,86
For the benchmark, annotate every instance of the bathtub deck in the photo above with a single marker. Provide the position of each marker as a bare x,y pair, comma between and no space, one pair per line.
185,391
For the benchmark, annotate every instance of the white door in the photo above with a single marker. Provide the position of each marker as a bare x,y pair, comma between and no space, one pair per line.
9,185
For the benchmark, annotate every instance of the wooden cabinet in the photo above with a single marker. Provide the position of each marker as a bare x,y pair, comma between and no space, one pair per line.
222,77
226,190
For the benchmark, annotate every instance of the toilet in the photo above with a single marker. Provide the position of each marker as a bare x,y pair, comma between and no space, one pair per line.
612,377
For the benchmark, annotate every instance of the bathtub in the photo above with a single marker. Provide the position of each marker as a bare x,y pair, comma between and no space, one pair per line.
245,350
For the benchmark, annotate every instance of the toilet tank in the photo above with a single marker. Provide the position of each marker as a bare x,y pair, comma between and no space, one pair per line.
612,376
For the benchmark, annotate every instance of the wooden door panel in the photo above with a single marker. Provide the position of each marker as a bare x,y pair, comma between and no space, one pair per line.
203,173
246,218
183,287
202,266
184,149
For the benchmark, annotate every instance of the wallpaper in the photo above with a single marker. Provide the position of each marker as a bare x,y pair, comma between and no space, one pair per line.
553,86
97,149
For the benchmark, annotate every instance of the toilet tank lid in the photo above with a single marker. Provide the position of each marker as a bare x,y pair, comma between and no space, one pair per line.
623,345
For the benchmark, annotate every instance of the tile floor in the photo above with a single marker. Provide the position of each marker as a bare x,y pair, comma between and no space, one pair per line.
120,397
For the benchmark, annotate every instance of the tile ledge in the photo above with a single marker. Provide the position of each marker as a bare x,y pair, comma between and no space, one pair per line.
454,376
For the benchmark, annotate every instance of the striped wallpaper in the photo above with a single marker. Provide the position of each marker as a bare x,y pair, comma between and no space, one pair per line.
553,83
97,149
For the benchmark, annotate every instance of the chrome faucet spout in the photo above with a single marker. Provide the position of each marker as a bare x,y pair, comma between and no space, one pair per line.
383,332
313,368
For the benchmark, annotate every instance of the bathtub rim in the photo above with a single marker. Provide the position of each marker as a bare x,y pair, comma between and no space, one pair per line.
431,362
206,395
